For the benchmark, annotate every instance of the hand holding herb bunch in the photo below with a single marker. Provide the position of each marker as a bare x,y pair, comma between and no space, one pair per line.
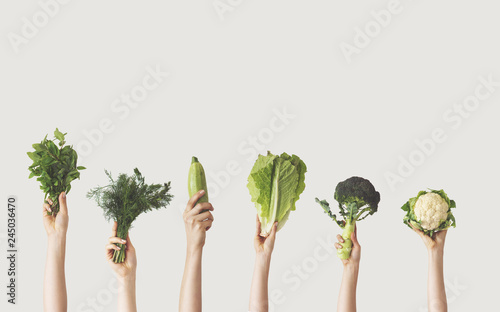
55,168
125,198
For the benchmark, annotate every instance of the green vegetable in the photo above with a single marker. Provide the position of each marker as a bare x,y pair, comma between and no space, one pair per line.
197,180
125,198
430,212
357,199
275,184
55,168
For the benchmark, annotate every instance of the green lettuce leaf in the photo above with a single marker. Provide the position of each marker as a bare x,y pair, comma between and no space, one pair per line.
275,183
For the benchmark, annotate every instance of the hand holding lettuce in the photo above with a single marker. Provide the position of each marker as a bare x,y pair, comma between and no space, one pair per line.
275,184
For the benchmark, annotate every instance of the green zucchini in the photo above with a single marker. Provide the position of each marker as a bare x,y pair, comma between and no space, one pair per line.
197,180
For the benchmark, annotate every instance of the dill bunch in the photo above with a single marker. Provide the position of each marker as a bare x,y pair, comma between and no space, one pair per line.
125,198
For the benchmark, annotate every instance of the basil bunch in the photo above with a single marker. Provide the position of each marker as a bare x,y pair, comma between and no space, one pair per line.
55,166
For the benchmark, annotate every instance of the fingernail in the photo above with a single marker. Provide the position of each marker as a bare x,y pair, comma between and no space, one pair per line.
64,195
49,209
118,247
123,241
202,192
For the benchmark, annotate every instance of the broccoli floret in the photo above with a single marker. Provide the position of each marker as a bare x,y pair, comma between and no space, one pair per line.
359,191
357,199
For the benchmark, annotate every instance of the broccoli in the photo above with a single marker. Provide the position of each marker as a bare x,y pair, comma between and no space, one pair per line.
357,199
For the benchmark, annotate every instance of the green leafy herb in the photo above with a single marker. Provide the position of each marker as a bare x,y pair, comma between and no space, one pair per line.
55,166
125,198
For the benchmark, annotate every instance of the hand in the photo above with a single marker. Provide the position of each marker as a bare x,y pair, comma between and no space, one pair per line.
57,225
434,243
264,245
197,220
127,268
356,248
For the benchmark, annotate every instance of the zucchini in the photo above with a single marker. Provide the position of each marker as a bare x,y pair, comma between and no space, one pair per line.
197,180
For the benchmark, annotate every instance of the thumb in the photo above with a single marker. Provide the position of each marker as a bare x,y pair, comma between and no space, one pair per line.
354,237
272,236
63,207
129,242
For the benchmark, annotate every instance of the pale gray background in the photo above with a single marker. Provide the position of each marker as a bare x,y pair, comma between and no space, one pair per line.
226,77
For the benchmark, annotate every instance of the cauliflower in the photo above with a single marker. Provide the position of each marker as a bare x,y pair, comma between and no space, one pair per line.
431,209
430,212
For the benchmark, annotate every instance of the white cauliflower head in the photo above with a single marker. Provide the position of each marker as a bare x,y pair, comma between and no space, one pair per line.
430,210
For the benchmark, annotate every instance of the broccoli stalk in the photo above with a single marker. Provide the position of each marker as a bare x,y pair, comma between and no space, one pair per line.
357,199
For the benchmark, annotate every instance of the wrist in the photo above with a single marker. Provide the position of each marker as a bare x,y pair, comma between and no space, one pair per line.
263,260
436,252
194,251
57,241
127,280
351,267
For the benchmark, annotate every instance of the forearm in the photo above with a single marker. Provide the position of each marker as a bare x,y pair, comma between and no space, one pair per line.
436,294
259,291
126,294
54,284
190,297
347,295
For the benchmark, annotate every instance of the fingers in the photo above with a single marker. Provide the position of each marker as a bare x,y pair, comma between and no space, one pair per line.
206,224
111,247
354,237
192,201
340,238
129,242
46,208
257,226
274,229
63,207
117,240
207,215
418,231
114,229
200,207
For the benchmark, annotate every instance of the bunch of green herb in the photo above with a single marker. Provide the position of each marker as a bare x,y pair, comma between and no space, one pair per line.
55,167
125,198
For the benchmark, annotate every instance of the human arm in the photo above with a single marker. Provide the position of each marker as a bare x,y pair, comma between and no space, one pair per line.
54,282
264,246
125,271
436,294
347,295
198,220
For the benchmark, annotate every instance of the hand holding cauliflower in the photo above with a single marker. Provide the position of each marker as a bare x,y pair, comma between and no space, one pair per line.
429,212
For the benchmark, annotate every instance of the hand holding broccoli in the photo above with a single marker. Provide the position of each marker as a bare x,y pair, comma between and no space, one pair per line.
355,256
